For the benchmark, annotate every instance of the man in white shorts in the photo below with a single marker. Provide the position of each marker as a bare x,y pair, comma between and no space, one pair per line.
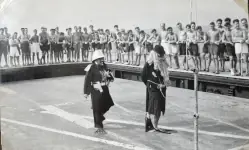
163,35
171,38
241,48
14,50
35,47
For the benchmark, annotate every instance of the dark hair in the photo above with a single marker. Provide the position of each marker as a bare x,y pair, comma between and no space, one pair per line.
115,26
243,19
129,31
107,30
179,23
137,28
219,20
188,25
227,20
141,32
236,20
153,30
169,28
192,23
198,27
227,24
212,23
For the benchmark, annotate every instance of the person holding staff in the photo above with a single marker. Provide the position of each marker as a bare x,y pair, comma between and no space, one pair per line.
97,80
155,76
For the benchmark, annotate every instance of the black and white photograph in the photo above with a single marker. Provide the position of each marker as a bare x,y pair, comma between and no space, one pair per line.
124,75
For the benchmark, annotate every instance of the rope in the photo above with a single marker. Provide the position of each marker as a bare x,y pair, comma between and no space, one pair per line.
160,88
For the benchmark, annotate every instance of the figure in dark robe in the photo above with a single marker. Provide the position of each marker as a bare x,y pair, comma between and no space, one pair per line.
97,80
156,78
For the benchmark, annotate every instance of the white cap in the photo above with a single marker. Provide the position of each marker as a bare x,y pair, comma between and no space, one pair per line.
97,54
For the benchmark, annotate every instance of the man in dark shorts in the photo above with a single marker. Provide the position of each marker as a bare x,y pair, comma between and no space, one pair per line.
227,40
182,37
69,44
8,35
3,47
192,44
85,45
214,40
77,39
44,44
222,46
108,46
53,45
24,40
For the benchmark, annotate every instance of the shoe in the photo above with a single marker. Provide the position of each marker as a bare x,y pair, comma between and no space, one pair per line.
148,124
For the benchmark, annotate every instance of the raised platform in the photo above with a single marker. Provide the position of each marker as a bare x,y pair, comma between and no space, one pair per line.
208,82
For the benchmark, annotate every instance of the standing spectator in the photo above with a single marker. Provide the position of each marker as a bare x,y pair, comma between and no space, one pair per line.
137,46
24,40
214,41
69,44
85,45
77,38
14,50
164,43
35,47
59,48
3,47
192,44
53,46
131,47
44,44
142,42
108,45
172,47
182,37
8,35
241,48
222,46
202,46
227,39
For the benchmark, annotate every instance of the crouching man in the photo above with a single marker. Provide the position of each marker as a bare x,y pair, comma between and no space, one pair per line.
96,83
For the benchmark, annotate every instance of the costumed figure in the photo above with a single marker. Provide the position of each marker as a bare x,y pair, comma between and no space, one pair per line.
155,76
97,80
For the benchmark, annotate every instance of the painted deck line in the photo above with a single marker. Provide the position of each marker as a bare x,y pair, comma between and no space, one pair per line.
82,122
81,136
177,129
243,147
68,116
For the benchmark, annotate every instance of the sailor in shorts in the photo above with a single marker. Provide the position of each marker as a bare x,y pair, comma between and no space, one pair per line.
230,49
192,45
202,46
214,40
108,45
164,43
35,47
241,47
14,50
172,47
182,37
85,45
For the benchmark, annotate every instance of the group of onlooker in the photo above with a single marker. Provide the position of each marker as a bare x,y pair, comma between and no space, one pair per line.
224,39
